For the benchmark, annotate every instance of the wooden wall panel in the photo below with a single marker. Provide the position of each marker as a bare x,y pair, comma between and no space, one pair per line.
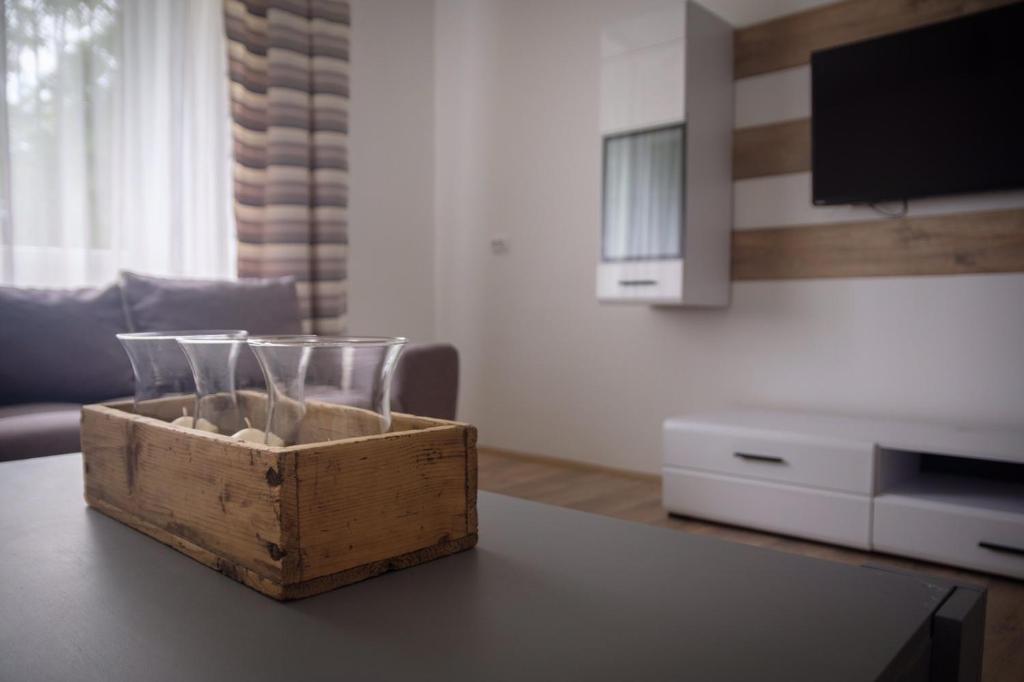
991,241
981,241
788,41
771,149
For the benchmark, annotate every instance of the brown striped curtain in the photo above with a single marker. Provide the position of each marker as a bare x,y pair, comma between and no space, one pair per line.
289,106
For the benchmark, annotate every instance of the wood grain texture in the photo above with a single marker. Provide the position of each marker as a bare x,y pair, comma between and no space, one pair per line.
308,588
637,497
380,497
954,244
991,241
771,149
204,556
288,522
322,423
788,41
206,489
472,467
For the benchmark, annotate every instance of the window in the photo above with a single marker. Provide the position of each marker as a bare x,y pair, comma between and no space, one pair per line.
114,141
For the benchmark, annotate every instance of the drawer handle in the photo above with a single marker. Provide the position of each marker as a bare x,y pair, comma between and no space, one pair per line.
996,547
637,282
771,459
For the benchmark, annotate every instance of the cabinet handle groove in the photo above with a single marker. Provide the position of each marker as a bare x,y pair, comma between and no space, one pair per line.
771,459
997,547
637,282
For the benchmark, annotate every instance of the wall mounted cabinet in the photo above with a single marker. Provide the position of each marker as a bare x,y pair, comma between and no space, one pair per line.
666,125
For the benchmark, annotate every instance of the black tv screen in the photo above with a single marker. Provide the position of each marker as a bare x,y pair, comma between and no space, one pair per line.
936,110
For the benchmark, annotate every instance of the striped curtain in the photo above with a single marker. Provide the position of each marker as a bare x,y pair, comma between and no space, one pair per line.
289,105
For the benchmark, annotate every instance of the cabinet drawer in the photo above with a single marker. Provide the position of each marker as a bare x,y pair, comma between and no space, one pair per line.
783,457
825,515
653,281
981,539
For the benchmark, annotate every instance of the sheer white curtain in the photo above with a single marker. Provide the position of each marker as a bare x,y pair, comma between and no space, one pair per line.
643,195
114,141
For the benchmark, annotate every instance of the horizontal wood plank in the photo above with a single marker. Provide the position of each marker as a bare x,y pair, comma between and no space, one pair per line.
349,576
771,149
788,41
984,242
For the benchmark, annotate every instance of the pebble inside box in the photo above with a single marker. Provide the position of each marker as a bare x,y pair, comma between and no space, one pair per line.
294,521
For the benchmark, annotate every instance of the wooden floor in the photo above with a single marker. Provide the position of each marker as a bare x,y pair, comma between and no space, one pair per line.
638,498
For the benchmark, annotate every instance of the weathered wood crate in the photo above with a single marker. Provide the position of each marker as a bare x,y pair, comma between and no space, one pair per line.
295,521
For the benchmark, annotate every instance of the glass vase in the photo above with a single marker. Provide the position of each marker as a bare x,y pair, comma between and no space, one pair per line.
164,386
307,372
213,359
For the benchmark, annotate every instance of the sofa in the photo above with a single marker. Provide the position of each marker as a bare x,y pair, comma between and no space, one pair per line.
58,349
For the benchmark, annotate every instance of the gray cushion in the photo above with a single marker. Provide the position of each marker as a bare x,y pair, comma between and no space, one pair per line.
262,306
59,345
426,380
38,429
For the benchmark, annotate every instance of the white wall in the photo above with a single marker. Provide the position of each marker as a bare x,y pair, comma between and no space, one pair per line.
391,156
548,370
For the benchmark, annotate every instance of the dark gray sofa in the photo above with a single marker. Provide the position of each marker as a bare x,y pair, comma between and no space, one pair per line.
58,349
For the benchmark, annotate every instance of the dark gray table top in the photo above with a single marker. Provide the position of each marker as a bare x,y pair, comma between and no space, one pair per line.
548,594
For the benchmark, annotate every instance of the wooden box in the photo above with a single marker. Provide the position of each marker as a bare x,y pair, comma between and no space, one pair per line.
294,521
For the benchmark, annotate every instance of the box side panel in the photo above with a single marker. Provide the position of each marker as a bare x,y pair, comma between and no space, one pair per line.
471,479
291,562
410,422
160,408
268,586
328,421
366,501
218,495
333,581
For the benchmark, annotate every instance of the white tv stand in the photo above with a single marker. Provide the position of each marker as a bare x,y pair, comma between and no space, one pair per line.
929,491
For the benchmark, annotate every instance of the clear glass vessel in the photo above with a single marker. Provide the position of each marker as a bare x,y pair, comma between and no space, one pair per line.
307,369
162,373
213,359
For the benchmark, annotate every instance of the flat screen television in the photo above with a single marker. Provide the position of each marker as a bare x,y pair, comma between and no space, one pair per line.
931,111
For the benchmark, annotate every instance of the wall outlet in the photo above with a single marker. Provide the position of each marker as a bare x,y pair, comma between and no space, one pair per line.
499,244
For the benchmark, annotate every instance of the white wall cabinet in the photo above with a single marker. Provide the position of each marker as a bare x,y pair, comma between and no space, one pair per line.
643,88
666,89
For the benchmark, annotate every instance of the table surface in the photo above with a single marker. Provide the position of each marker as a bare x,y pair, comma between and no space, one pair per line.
549,593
